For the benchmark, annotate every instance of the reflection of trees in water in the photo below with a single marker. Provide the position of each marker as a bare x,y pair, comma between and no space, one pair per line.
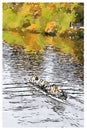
62,67
37,43
79,71
78,49
26,61
31,58
75,48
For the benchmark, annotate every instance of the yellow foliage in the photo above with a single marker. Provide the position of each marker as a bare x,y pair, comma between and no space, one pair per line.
50,40
51,6
24,10
31,40
35,9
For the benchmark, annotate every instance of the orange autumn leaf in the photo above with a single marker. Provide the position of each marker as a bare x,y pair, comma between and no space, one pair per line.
50,27
32,27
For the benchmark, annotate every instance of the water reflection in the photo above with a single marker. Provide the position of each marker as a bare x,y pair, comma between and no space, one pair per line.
37,42
25,106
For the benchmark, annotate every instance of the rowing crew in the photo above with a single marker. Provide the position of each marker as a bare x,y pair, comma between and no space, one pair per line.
52,89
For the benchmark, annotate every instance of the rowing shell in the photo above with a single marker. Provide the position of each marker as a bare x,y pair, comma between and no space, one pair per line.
49,95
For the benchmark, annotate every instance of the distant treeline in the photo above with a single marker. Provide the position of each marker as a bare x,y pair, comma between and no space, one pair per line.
42,17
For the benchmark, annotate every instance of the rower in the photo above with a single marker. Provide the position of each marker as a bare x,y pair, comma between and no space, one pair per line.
32,78
41,83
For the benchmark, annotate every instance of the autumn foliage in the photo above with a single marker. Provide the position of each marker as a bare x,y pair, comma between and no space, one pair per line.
32,27
41,17
51,27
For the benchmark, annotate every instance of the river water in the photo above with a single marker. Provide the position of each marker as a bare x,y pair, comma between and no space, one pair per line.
25,106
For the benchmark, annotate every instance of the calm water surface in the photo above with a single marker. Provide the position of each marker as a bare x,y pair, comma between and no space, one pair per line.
25,106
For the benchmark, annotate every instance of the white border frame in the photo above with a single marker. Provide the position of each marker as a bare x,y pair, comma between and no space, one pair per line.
85,60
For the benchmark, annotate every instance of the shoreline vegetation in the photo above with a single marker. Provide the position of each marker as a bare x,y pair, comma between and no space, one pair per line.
45,18
35,25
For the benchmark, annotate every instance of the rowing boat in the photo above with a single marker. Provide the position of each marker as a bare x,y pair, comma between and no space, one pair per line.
47,94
